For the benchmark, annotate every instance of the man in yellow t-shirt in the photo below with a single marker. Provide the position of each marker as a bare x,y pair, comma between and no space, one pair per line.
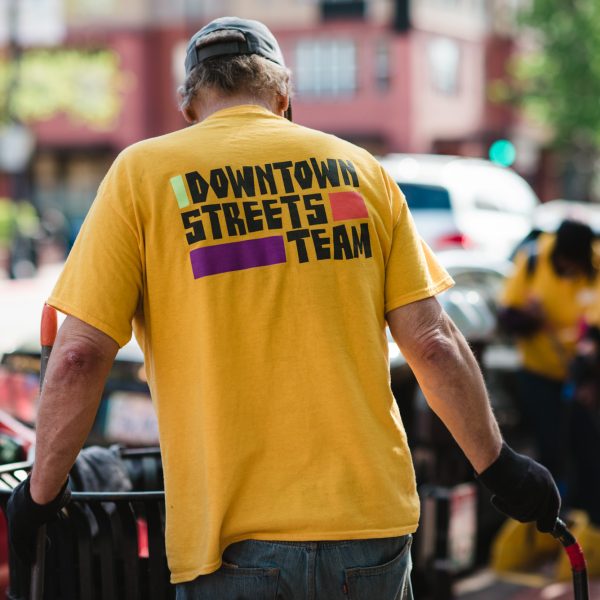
545,302
258,263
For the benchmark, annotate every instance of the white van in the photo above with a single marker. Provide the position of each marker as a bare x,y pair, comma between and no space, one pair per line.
464,202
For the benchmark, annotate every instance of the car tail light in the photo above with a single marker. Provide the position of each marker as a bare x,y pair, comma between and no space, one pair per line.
18,394
453,240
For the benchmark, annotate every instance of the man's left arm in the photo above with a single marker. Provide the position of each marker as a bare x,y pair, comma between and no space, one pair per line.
79,365
455,390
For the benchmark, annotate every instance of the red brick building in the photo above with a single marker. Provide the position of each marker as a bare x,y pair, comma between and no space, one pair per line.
391,75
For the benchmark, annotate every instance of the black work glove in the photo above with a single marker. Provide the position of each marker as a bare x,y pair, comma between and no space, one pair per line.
25,516
522,489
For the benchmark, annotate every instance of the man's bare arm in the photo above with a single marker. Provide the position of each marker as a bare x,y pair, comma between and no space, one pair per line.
80,362
449,377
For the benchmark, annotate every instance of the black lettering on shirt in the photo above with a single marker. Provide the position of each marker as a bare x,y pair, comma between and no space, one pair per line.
198,186
303,174
192,220
348,172
319,212
284,169
291,202
299,236
362,242
272,214
235,225
327,173
266,176
305,216
241,181
213,213
253,216
321,242
341,243
219,183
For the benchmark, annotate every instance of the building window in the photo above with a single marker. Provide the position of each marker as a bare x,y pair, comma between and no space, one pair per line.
334,9
382,65
205,9
402,15
444,65
325,67
94,7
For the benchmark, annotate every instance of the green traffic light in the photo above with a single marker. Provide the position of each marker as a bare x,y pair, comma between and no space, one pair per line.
503,152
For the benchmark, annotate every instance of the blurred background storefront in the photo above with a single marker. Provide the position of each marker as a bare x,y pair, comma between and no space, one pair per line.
87,78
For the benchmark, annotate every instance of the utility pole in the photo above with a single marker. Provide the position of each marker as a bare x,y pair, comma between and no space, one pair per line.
13,58
16,140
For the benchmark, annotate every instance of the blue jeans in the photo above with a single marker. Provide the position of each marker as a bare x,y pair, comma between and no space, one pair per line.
373,569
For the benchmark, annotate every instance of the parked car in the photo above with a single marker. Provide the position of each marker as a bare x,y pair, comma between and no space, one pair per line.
126,415
464,202
548,216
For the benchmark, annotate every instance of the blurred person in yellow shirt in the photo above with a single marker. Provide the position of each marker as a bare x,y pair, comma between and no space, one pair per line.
545,302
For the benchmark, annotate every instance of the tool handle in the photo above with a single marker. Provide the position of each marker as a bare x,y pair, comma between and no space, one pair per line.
47,338
576,558
562,534
49,326
48,329
38,568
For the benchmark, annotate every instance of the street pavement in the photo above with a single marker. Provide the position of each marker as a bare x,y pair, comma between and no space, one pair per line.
485,585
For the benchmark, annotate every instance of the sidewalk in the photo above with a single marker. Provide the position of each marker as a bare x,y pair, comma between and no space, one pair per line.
556,591
486,585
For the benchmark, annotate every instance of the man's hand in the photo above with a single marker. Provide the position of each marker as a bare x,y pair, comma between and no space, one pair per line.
26,516
522,489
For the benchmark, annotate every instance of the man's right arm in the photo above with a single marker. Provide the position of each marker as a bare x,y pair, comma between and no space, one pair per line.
81,359
79,365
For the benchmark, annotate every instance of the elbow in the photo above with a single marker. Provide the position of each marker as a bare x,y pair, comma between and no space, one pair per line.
426,335
77,359
437,345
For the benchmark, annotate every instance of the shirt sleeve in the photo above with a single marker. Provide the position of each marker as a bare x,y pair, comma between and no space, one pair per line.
412,270
101,283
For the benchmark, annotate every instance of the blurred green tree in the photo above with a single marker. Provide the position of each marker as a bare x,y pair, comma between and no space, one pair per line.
87,86
558,83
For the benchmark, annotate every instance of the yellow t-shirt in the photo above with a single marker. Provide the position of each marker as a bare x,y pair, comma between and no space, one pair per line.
257,260
565,303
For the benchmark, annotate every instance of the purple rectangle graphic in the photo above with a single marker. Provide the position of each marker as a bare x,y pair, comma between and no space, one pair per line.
235,256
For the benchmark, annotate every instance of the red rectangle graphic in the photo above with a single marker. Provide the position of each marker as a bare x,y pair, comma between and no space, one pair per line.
348,205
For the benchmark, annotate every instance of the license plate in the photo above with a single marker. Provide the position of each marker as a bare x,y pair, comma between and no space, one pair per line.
131,419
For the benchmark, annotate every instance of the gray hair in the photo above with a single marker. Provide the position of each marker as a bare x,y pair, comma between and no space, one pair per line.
247,74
